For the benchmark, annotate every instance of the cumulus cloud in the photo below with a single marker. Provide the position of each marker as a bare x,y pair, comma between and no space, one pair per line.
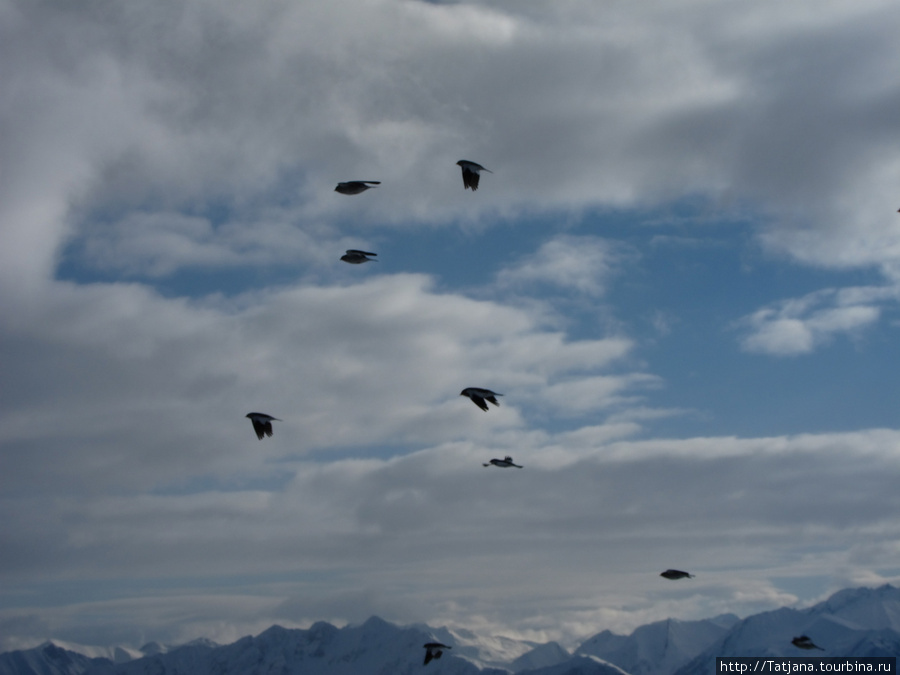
800,325
376,362
245,106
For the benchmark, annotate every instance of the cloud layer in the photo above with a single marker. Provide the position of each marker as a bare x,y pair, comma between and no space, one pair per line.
169,238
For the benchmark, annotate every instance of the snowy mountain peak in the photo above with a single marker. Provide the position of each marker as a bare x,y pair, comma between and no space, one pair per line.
857,622
658,648
152,648
853,622
542,656
874,608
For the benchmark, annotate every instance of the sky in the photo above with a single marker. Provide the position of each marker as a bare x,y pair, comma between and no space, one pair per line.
682,274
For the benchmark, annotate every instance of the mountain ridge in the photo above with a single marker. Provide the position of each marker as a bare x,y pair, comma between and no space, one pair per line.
851,622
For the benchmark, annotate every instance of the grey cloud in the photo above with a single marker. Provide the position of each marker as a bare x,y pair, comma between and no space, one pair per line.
149,139
241,104
426,526
111,384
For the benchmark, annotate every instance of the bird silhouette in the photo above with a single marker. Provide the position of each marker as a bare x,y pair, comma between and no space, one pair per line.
262,424
434,650
479,396
354,187
803,642
676,574
355,257
471,174
504,463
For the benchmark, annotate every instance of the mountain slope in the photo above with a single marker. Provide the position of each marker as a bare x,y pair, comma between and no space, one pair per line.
853,622
48,659
581,664
658,648
376,647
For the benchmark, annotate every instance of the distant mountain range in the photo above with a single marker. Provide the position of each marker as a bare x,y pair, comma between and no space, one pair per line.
853,622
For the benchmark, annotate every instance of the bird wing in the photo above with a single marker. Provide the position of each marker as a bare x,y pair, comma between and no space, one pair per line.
470,179
477,400
260,427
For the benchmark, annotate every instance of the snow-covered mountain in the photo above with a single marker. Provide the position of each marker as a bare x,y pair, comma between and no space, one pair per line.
376,647
658,648
581,664
852,622
48,659
494,651
116,654
856,622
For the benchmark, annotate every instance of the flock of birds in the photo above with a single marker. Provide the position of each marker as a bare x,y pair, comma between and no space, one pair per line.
471,173
262,423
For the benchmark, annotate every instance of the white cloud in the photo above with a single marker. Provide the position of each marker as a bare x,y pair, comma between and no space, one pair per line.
143,140
734,511
379,362
238,105
598,392
800,325
583,264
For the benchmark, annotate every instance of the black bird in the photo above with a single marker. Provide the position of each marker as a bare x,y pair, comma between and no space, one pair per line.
504,463
355,257
803,642
262,424
676,574
470,173
479,396
354,187
434,650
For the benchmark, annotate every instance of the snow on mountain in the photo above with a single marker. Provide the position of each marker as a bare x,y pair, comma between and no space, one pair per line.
874,608
854,622
493,651
542,656
658,648
152,648
116,654
48,659
581,664
375,647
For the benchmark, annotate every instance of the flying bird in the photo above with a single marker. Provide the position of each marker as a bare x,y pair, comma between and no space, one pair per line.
470,173
803,642
262,423
434,650
354,187
676,574
355,257
479,396
504,463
